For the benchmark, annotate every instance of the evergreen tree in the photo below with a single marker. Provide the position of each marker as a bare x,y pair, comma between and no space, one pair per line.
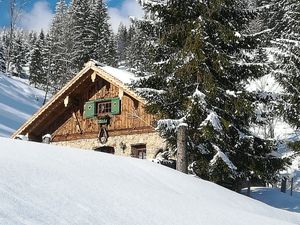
111,58
57,47
285,25
36,68
18,55
80,33
100,41
200,67
122,40
267,95
2,59
139,51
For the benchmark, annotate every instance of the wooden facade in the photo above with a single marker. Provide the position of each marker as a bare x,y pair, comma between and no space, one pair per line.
63,116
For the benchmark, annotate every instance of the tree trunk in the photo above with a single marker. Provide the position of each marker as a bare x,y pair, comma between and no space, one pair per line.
181,164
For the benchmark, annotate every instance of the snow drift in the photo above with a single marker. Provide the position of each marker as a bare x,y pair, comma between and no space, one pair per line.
18,101
45,184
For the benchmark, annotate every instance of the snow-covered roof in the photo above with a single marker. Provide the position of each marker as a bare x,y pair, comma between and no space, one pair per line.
120,74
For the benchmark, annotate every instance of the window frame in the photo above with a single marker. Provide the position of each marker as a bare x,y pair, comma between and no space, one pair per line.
107,107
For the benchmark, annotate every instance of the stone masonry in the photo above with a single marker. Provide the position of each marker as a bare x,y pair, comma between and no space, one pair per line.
122,144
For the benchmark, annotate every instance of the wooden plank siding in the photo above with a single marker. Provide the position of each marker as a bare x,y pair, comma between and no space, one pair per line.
72,126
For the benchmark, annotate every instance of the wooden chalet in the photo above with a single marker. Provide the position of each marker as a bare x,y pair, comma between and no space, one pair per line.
96,110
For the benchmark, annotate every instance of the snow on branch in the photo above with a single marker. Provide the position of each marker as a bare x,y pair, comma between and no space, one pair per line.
199,97
150,91
152,2
213,119
259,33
225,159
295,42
169,124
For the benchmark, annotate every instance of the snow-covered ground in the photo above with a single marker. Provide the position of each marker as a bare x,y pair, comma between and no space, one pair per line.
18,101
45,184
275,198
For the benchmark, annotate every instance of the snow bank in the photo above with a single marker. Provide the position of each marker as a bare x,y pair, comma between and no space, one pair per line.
45,184
18,101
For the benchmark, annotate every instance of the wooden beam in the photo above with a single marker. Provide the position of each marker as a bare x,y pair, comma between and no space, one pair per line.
93,76
121,93
66,101
78,127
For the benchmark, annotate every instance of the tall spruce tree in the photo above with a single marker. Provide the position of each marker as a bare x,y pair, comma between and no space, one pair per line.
267,95
18,55
57,44
37,67
199,73
99,43
122,43
80,31
284,21
139,51
2,59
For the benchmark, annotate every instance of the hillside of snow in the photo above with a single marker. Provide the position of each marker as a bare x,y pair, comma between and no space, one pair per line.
18,101
45,184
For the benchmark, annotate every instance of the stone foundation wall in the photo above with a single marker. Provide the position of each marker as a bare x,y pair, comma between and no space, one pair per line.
152,140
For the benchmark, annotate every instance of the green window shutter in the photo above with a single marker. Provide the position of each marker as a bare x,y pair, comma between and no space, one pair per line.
115,106
89,110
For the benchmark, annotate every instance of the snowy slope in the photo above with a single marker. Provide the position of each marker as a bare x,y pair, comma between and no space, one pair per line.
45,184
275,198
18,101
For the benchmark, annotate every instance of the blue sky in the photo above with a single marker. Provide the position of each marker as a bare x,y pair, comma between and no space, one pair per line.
37,14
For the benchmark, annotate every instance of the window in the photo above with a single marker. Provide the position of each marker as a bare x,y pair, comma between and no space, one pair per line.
138,151
103,107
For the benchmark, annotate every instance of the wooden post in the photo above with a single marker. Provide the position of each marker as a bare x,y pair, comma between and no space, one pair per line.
283,185
292,184
181,164
248,187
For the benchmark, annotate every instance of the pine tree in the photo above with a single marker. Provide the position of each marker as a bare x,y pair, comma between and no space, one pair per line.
80,37
267,96
36,68
2,59
111,58
122,40
100,41
285,26
58,43
200,67
18,55
139,51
